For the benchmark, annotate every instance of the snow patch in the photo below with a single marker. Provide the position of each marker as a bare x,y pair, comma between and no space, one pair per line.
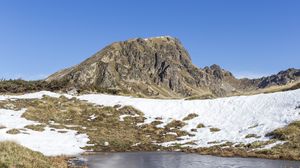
92,117
127,115
269,146
36,95
48,142
171,133
123,116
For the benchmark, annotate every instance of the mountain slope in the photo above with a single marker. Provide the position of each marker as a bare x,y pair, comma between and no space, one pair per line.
157,67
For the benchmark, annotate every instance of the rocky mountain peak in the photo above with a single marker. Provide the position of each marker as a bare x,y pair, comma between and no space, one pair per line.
155,67
167,38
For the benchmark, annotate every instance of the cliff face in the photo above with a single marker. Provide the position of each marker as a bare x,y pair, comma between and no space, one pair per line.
283,77
156,67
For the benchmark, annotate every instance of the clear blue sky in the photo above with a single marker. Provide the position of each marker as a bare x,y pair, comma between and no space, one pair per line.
247,37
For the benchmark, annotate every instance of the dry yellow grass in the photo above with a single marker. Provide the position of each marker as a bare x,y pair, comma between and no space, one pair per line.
190,116
38,127
214,129
273,89
13,155
200,125
13,131
252,136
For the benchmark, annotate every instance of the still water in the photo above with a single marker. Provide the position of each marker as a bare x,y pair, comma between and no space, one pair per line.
179,160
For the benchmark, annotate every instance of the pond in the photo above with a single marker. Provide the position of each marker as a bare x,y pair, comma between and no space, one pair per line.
179,160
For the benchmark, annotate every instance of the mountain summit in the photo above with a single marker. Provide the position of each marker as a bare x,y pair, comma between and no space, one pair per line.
157,67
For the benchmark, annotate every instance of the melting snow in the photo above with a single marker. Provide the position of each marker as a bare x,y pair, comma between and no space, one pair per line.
127,115
234,116
123,116
92,117
48,142
36,95
172,133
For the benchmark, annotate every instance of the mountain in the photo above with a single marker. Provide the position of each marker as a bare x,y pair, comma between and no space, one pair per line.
158,67
283,77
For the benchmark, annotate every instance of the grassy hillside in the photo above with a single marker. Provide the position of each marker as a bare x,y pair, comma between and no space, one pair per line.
20,86
13,155
273,89
23,86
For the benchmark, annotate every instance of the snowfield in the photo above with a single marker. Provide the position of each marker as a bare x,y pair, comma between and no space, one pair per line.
236,117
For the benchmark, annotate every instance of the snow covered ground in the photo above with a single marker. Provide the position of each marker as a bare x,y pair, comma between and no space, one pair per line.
37,95
236,117
50,142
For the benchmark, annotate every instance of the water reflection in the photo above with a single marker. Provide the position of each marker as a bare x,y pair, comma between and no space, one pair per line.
180,160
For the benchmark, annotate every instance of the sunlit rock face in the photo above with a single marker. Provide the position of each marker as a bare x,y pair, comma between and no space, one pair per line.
156,67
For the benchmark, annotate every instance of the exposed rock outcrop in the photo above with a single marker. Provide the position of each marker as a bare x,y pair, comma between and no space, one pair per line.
156,67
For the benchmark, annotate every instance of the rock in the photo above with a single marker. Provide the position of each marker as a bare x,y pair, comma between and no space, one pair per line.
106,144
73,92
77,162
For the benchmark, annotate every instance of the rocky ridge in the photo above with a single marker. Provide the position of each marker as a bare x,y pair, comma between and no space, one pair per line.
158,67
